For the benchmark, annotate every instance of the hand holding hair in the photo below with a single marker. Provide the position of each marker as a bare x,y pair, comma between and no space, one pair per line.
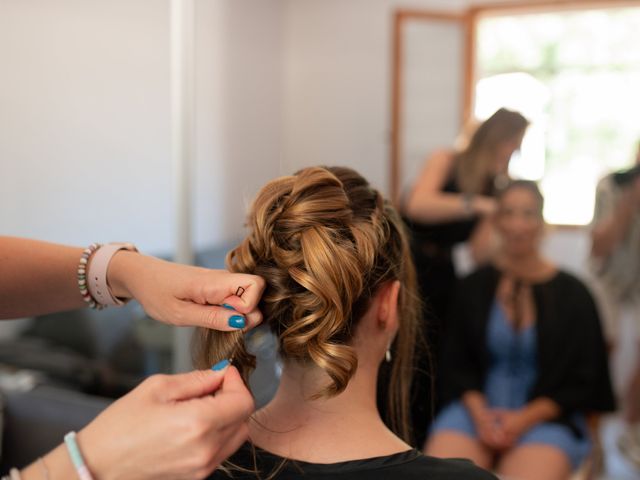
171,426
185,295
40,277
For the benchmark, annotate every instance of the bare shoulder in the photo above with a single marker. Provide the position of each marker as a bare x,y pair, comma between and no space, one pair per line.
437,166
441,156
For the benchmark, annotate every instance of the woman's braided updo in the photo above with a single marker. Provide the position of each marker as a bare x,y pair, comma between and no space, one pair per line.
324,241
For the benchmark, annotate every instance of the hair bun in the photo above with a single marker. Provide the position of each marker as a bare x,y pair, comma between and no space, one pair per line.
317,199
324,241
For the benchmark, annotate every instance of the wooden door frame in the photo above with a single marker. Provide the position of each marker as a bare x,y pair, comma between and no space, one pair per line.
469,18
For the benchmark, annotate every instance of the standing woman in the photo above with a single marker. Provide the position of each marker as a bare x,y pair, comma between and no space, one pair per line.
451,203
452,199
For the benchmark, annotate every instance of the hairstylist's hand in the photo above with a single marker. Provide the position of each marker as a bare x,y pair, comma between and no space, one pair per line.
484,206
171,426
185,295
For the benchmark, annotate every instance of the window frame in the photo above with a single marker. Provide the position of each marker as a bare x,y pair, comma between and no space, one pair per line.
469,18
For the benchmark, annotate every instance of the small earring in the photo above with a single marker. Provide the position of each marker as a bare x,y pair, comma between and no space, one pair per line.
387,355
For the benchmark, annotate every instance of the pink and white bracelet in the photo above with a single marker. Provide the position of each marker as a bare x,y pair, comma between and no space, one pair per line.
92,274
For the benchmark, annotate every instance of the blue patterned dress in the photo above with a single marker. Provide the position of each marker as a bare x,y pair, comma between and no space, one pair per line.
511,376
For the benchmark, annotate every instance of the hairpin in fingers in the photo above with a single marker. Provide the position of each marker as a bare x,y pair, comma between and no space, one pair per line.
240,291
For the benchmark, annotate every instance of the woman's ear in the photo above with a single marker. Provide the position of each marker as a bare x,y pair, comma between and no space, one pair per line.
388,305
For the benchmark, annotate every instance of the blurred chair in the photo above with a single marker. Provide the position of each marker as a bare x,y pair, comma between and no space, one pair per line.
36,421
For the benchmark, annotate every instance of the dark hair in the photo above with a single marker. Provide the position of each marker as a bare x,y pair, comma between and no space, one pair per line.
528,185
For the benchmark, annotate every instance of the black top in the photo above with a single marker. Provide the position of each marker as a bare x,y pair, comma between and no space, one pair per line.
443,234
406,465
572,358
432,251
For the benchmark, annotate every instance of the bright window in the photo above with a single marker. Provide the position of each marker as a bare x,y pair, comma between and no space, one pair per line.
576,76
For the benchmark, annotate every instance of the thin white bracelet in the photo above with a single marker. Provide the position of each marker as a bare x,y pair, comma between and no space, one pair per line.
76,456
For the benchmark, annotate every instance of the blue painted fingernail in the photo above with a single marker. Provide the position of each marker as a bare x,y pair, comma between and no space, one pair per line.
237,321
221,365
227,306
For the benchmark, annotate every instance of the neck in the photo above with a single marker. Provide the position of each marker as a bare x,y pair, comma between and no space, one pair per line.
325,430
530,266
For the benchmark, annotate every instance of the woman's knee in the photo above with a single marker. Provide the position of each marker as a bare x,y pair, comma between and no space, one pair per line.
450,444
533,462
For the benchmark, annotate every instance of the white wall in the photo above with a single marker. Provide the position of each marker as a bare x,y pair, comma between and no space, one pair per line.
432,83
240,96
84,118
84,121
337,82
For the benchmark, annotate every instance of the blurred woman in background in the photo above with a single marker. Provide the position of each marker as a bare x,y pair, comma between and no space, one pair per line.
451,203
453,195
525,357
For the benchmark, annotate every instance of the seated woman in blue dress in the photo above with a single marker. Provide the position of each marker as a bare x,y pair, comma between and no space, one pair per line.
524,359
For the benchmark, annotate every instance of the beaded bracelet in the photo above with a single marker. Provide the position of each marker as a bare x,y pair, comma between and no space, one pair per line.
76,456
82,276
14,473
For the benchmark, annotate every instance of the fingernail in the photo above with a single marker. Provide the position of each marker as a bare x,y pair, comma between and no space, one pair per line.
227,306
221,365
237,321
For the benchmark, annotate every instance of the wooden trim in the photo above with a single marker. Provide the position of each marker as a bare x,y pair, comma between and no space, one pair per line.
535,6
409,14
564,227
468,68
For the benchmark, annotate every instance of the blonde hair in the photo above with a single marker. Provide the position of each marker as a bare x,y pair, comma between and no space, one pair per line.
475,161
324,241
